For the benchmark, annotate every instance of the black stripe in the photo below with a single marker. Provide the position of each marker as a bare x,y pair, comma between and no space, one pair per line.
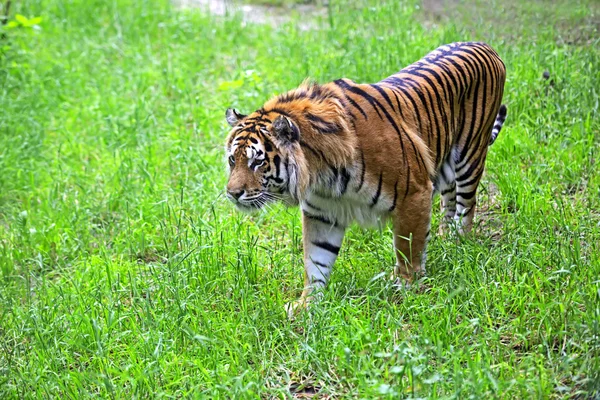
455,69
358,91
467,142
469,69
384,95
312,206
378,193
443,176
355,105
476,145
416,90
502,111
470,66
404,91
395,196
441,109
329,129
277,162
315,118
416,71
260,119
400,85
320,264
469,172
467,156
491,67
279,111
321,125
444,83
431,115
470,182
317,153
483,108
335,173
344,179
398,102
342,84
446,73
328,246
268,145
435,75
467,195
319,218
404,155
276,180
290,97
362,172
482,57
304,144
375,103
407,181
445,192
319,280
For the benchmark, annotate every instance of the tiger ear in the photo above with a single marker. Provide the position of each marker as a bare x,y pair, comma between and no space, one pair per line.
233,117
285,130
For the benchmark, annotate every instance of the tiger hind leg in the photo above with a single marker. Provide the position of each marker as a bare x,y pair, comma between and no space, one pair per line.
446,185
468,176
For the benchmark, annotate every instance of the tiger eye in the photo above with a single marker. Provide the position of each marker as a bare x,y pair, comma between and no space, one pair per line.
258,163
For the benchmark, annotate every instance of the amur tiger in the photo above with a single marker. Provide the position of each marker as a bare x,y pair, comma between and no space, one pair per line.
363,152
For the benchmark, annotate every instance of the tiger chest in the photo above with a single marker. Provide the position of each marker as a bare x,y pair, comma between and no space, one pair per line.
345,209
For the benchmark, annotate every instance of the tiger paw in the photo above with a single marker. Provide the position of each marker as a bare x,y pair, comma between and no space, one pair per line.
419,285
448,229
294,308
401,284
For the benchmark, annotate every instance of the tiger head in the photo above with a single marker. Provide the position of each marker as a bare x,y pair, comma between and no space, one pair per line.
265,159
270,150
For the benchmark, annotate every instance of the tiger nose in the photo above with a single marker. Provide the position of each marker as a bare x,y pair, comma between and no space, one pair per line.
236,194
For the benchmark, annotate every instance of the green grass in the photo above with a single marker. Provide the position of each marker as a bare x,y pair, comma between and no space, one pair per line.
125,272
285,3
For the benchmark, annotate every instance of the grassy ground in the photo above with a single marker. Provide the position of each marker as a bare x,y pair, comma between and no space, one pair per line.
124,271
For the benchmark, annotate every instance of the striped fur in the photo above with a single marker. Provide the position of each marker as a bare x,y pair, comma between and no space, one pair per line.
498,124
364,152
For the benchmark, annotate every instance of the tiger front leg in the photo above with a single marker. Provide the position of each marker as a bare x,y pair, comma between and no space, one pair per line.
411,233
322,239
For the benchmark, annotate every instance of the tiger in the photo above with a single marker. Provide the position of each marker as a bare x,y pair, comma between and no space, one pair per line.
355,152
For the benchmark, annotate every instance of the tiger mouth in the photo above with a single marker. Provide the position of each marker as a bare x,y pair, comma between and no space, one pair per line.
254,204
248,207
